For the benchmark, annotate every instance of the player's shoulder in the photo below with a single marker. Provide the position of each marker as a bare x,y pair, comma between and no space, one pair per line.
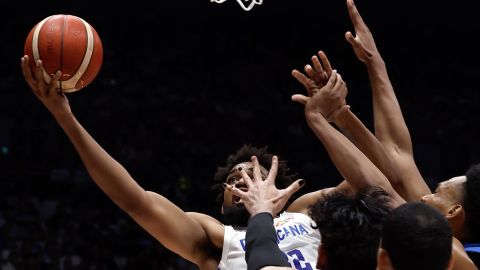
287,216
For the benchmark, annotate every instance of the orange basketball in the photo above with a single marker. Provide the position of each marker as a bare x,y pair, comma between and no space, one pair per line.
66,43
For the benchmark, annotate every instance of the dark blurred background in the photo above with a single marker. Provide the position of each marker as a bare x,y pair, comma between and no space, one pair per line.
185,83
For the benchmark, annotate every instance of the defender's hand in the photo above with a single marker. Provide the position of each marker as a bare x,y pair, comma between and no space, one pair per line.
362,43
263,195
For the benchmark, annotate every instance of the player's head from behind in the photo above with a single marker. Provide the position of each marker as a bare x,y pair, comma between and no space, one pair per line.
458,199
415,236
350,227
232,207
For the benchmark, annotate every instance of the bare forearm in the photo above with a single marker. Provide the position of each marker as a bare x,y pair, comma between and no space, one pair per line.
390,126
392,131
364,140
357,169
106,172
156,214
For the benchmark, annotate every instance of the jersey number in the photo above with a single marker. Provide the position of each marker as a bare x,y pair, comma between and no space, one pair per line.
298,260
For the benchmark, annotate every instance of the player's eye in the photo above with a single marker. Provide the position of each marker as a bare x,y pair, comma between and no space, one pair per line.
232,180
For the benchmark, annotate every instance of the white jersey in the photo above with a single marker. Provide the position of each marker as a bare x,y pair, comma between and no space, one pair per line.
295,237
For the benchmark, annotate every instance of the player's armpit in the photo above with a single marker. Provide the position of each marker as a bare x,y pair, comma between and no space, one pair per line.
211,226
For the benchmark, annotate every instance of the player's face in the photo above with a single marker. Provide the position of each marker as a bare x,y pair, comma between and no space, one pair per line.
448,194
235,178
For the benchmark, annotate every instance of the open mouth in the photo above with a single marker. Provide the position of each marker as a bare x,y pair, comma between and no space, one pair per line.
237,201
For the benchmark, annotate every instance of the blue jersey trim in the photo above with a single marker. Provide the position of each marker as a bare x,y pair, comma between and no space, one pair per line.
472,247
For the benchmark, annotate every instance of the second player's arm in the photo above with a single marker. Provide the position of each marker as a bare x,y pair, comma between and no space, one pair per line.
364,140
390,126
352,164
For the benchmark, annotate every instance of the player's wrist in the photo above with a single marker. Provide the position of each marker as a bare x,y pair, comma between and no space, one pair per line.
262,209
63,116
340,115
374,61
268,211
313,115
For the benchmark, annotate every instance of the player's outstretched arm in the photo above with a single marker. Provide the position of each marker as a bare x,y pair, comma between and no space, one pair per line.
352,164
161,218
390,126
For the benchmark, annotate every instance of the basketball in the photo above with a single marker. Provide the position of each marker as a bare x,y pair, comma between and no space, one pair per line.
69,44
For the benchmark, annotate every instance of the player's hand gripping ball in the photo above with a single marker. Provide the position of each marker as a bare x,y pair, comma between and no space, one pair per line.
69,44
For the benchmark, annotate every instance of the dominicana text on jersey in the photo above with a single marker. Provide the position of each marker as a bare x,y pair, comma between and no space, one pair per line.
295,237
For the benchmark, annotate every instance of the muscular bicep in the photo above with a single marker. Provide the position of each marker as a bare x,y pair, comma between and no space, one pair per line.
172,227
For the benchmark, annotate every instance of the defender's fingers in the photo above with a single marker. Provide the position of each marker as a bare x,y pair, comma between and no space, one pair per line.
351,39
312,74
332,79
248,181
339,84
339,79
257,173
355,17
301,78
272,174
343,90
317,65
300,99
325,62
295,186
237,192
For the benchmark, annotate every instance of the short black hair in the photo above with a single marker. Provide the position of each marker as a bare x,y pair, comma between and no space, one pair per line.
350,227
471,204
244,154
417,236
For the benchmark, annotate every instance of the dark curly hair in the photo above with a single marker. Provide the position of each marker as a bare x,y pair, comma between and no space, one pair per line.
351,226
417,236
471,203
244,154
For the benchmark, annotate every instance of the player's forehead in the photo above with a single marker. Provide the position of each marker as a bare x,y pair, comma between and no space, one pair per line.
248,167
452,182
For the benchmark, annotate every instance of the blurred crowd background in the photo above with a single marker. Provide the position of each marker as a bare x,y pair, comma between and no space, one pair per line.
186,83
